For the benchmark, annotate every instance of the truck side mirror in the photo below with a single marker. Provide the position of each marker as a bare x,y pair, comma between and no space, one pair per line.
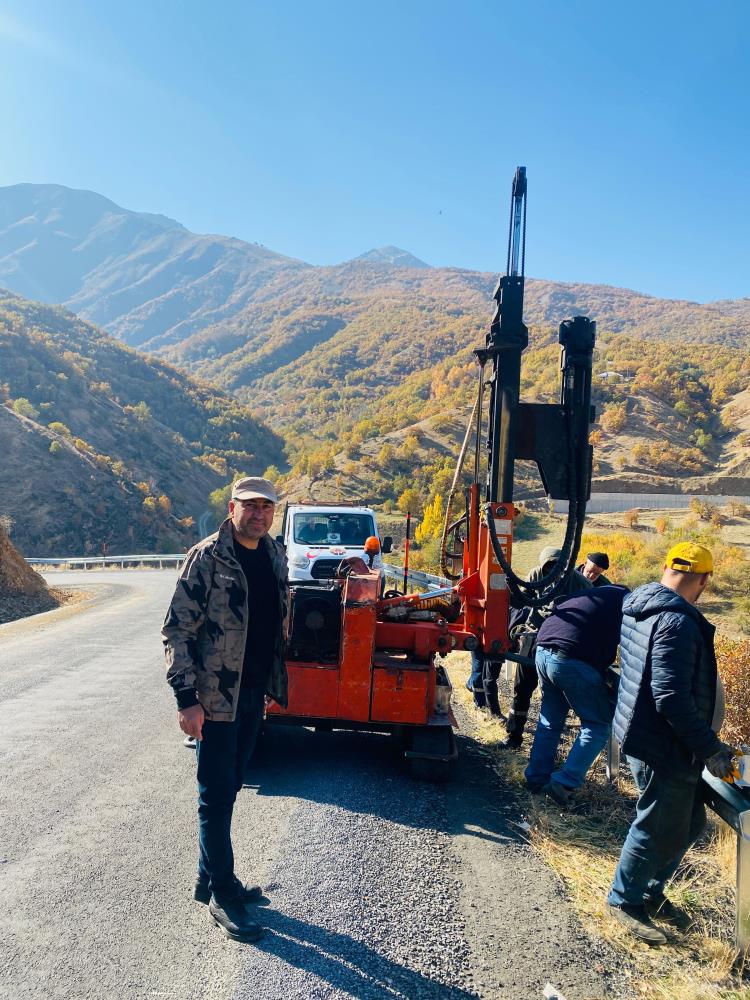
387,545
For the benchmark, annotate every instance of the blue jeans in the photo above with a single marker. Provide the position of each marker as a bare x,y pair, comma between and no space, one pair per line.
568,683
669,818
223,754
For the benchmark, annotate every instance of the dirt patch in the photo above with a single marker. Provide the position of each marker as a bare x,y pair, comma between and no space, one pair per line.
23,591
15,606
16,575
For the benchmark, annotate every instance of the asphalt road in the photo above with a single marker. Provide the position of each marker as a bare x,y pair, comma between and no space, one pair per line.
380,887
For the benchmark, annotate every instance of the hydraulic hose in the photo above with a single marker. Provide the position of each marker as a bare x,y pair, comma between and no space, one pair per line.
558,577
552,584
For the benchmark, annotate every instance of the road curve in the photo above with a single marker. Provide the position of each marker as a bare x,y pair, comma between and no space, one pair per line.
380,887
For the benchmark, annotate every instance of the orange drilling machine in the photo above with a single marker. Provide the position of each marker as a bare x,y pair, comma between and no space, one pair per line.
358,660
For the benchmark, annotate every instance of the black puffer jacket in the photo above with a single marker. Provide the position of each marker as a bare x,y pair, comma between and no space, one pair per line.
668,681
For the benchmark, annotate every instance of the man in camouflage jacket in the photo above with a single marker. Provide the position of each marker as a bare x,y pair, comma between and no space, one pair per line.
224,642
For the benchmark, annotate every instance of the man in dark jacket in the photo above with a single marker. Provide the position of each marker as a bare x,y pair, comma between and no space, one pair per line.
593,569
665,722
575,647
223,638
527,678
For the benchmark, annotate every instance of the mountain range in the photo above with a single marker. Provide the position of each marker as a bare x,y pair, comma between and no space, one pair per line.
339,360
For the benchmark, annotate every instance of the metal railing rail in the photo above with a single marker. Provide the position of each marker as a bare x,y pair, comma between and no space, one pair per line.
422,579
394,572
87,561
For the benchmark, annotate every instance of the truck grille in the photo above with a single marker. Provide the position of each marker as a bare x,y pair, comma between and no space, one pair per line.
324,569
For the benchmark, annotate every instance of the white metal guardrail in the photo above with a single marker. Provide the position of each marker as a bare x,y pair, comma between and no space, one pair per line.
175,558
423,579
86,562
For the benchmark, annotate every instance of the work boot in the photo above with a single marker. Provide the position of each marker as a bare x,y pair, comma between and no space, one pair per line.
664,909
513,742
559,793
636,920
244,893
232,918
493,705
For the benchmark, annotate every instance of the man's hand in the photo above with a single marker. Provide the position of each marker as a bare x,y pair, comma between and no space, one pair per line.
721,764
191,721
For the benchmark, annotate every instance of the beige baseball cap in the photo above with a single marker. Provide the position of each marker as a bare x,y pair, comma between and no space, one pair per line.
254,488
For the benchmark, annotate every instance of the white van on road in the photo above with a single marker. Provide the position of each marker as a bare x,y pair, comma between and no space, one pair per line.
318,536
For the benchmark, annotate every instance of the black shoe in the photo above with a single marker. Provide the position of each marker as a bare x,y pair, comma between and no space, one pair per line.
534,787
661,908
635,919
232,918
512,743
558,793
245,893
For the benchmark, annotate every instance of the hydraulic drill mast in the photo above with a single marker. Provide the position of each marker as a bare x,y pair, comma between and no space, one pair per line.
380,670
507,339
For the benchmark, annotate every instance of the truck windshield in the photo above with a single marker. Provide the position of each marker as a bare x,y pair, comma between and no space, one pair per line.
317,528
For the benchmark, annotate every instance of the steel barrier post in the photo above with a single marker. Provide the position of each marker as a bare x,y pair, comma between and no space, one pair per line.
612,764
733,806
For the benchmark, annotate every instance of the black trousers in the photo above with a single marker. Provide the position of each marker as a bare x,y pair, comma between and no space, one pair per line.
222,757
527,681
482,682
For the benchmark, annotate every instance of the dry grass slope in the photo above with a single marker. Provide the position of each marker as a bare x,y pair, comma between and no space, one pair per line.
583,846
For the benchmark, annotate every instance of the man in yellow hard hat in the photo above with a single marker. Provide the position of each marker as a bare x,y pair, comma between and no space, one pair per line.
666,721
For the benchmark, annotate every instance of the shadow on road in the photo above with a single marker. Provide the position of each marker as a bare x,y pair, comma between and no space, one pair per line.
347,964
362,772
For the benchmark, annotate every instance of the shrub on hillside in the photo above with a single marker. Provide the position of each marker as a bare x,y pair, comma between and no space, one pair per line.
630,518
733,658
614,418
24,408
638,559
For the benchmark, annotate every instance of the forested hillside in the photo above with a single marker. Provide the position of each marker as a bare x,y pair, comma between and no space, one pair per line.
102,444
369,374
668,420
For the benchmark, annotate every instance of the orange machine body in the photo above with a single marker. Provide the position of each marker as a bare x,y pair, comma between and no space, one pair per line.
387,673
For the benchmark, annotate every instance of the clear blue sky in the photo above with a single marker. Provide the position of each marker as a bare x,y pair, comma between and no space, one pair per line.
327,127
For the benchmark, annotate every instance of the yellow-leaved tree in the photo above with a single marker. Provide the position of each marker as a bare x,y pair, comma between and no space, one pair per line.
432,521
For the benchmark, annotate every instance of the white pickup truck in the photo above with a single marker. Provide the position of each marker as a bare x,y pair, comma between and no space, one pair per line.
318,536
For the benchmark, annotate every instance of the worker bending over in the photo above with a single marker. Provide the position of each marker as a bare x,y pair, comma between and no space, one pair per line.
576,645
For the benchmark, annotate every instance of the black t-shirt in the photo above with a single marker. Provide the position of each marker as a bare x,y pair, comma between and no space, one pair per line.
263,614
